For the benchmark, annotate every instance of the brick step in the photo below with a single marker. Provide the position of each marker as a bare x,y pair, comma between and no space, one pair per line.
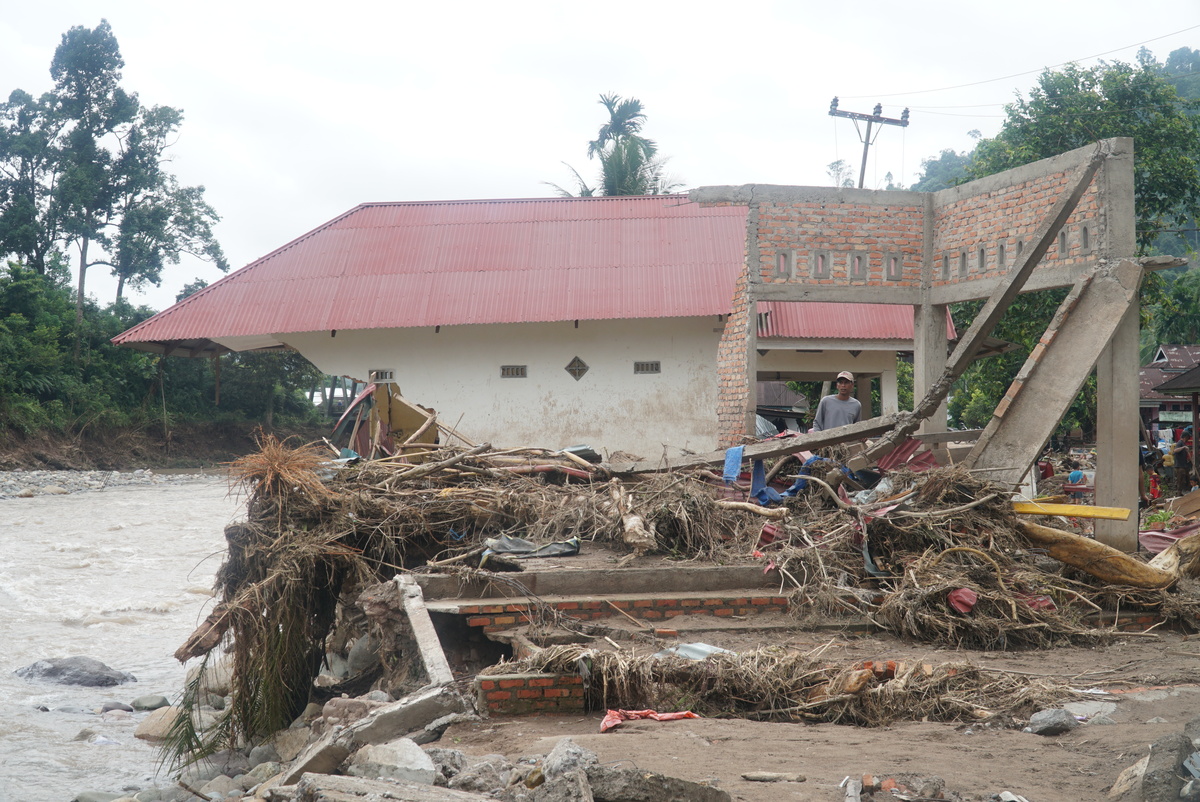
496,614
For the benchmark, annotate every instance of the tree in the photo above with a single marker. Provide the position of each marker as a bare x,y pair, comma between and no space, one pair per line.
948,169
82,168
629,162
841,173
1075,106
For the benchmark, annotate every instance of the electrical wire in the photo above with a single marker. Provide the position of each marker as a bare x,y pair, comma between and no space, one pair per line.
1020,74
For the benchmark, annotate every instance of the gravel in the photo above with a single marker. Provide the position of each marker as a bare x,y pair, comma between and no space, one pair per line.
27,484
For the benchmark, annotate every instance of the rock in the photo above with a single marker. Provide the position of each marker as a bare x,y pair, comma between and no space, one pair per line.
364,655
1162,780
27,492
448,762
74,671
150,702
624,783
400,759
1052,722
265,770
84,734
217,678
1128,779
264,753
567,756
345,710
222,784
772,777
55,490
484,775
290,743
95,796
154,727
114,705
570,786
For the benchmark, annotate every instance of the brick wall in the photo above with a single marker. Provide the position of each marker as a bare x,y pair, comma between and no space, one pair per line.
733,378
981,234
521,694
869,244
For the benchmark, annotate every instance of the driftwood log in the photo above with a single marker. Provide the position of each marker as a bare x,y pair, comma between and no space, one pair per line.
1103,562
1181,558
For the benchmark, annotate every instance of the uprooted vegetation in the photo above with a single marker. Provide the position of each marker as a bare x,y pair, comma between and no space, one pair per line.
317,535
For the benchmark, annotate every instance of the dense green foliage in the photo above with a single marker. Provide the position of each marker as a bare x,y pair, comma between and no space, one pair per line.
44,387
82,172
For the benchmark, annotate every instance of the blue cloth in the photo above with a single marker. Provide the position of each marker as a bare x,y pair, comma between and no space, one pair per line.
765,494
733,464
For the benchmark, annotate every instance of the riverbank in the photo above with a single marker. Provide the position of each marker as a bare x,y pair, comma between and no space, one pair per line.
194,444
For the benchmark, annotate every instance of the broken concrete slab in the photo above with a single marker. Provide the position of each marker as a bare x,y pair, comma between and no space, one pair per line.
1162,779
625,784
381,725
396,760
334,788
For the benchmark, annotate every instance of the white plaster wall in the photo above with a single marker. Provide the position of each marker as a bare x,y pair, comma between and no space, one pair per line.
824,366
457,372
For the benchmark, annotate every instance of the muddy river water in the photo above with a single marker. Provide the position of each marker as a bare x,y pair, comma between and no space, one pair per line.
122,575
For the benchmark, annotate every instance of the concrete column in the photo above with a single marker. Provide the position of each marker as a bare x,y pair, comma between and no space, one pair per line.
1117,433
862,391
889,392
930,348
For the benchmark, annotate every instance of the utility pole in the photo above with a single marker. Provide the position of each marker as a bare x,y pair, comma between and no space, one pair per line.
871,119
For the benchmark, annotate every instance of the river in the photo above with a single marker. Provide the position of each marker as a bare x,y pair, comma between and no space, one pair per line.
122,575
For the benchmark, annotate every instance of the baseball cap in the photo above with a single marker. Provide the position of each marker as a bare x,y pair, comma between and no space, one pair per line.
845,374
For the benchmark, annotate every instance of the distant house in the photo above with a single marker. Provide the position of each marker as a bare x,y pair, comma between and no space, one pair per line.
1167,410
550,322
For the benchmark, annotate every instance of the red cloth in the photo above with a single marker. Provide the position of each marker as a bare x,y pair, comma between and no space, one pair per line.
962,599
614,717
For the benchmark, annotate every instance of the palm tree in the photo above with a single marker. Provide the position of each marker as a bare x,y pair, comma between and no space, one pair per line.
629,164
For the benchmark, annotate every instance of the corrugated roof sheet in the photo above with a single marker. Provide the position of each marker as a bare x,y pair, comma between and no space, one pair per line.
388,265
442,263
830,321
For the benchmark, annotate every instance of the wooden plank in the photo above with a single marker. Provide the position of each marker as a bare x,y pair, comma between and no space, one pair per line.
1071,510
769,449
1101,561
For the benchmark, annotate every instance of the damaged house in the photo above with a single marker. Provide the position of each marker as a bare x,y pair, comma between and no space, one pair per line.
643,324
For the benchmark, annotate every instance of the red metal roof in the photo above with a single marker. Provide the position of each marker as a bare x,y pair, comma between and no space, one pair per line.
830,321
441,263
385,265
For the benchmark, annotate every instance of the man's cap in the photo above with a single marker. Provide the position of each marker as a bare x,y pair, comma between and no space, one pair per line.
845,374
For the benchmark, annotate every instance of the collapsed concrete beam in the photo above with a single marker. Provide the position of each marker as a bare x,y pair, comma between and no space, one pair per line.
437,668
1054,371
769,449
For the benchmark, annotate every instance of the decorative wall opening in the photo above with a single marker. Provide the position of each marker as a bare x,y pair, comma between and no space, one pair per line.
514,371
647,367
576,367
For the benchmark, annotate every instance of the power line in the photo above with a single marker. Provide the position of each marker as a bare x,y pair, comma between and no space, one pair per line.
1027,72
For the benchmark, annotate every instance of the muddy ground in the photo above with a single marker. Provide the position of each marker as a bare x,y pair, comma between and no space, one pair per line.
1156,692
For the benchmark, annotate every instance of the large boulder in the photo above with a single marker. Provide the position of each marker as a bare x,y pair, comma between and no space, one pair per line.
74,671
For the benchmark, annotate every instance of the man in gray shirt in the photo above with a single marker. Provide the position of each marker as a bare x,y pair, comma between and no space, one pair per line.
838,410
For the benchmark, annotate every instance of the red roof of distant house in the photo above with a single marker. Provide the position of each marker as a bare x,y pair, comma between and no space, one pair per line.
830,321
442,263
1171,361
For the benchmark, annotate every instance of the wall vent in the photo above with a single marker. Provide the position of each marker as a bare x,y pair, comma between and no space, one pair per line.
577,367
382,376
514,372
647,367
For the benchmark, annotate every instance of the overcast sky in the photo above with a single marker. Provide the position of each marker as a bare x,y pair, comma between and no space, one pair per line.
296,112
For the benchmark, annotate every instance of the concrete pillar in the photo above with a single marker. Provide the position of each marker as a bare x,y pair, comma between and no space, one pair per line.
862,391
1117,433
889,392
930,348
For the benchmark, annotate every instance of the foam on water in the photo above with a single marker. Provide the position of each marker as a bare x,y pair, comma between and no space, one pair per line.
122,575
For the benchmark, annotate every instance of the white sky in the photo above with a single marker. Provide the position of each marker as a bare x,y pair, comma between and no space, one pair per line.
296,112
